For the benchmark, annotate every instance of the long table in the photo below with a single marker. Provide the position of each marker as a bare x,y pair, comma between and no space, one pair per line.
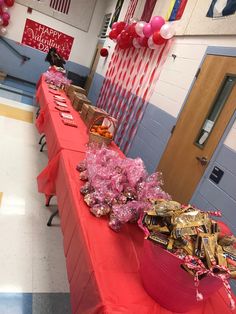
102,266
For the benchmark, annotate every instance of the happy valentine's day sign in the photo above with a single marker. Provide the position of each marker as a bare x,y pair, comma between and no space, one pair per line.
42,37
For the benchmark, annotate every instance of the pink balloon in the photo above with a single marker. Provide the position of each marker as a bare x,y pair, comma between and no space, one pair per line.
1,2
113,25
147,30
143,41
5,8
156,23
5,16
139,28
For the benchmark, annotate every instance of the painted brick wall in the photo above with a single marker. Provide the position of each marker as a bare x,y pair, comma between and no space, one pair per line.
30,71
152,136
212,196
95,87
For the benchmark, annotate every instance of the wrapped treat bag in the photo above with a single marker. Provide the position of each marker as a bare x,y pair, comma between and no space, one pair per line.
100,210
120,183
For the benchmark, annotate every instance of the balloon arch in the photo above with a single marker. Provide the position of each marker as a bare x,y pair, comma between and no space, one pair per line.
5,15
142,34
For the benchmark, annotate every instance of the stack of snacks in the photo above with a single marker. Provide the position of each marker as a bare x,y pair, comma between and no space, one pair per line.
192,236
118,187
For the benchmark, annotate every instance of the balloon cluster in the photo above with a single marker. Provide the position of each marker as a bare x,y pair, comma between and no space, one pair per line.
142,34
4,15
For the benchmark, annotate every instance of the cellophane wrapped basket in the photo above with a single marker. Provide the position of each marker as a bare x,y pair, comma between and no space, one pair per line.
168,284
187,256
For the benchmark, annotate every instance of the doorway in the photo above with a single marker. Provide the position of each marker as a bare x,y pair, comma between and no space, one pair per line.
93,67
200,126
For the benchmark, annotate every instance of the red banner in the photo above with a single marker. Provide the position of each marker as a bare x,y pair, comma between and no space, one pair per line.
42,37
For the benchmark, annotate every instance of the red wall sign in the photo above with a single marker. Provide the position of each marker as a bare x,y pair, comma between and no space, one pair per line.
42,37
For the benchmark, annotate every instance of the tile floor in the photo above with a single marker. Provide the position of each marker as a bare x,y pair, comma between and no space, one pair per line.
33,275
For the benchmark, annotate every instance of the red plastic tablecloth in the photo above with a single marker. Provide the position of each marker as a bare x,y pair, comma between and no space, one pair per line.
44,96
58,135
103,266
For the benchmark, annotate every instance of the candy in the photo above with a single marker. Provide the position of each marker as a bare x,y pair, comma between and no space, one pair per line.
81,166
100,210
122,184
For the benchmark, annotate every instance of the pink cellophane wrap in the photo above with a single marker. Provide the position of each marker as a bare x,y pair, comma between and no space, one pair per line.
55,77
121,183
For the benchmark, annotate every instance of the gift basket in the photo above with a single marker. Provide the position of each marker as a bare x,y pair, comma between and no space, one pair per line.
186,259
102,130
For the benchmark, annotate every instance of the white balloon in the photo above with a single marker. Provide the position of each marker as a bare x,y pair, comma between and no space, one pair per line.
136,44
133,20
151,44
5,8
167,31
3,30
139,28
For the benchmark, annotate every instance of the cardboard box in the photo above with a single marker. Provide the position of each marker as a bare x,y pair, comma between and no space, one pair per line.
78,100
84,111
70,89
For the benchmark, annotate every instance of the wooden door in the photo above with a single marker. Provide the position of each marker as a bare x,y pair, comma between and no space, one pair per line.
93,67
196,136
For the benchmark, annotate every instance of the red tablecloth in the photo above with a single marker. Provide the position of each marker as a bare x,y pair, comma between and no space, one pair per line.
44,96
58,135
103,266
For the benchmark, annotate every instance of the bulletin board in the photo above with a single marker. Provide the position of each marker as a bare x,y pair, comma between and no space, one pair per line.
195,22
79,13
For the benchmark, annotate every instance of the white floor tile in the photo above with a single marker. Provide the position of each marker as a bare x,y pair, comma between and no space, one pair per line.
31,254
15,103
15,262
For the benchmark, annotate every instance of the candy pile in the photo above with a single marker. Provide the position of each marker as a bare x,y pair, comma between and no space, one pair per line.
118,187
194,237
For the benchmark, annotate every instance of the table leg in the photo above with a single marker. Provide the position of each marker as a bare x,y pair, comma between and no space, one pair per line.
41,149
48,199
49,223
41,138
37,113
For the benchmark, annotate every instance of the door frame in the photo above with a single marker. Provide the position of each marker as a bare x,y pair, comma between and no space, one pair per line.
94,64
210,165
218,51
211,50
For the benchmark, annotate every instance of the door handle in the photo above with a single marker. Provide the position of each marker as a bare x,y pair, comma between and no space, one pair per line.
203,160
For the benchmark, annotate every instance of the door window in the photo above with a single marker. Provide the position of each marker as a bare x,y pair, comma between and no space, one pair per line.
218,105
